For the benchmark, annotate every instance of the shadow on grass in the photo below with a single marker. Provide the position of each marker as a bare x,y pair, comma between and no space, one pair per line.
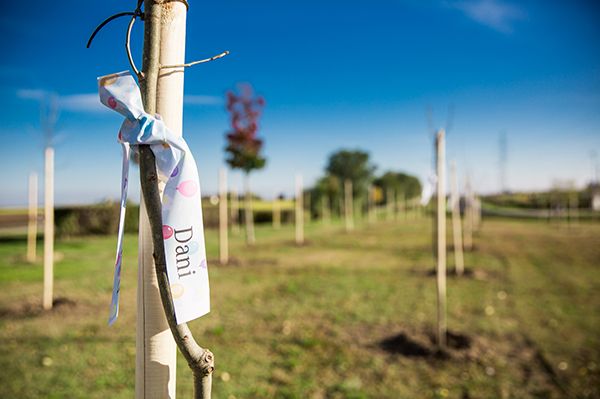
28,309
423,345
468,273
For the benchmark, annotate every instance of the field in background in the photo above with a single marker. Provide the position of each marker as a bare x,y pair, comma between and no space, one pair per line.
345,316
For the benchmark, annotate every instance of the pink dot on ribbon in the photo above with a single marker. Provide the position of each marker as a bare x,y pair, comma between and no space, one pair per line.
112,102
120,136
187,188
167,232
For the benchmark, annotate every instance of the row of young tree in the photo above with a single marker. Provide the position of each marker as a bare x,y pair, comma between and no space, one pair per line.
244,152
355,166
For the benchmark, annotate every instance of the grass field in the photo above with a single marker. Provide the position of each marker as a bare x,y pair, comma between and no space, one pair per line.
349,315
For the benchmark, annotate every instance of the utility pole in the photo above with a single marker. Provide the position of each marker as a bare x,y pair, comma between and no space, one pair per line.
32,219
223,230
441,239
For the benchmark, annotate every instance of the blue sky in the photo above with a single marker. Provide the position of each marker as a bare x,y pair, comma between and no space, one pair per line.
351,74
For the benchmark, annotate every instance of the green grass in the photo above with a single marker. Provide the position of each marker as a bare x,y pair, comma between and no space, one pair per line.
306,322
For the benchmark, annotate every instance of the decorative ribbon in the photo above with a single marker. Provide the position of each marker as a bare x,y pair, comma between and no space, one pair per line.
183,231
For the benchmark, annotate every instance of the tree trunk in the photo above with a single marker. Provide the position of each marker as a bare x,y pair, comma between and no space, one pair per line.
248,213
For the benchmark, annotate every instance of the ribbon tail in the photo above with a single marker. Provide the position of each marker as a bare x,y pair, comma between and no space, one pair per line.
114,306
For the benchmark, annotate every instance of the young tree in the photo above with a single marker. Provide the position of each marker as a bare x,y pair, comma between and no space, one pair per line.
354,166
243,145
403,184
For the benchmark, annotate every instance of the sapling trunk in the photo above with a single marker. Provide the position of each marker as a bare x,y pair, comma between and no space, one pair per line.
248,213
200,360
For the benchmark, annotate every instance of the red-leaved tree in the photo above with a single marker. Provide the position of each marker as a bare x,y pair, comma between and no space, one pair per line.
243,146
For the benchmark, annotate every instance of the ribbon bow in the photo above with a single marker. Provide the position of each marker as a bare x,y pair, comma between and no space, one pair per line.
183,231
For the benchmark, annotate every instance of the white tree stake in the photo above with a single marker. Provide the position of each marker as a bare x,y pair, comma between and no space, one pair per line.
47,298
348,205
370,205
235,212
456,223
441,239
276,214
468,238
299,218
156,356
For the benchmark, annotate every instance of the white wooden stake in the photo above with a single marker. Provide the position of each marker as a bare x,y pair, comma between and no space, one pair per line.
276,214
370,206
307,207
235,212
456,223
441,239
156,349
223,231
477,213
325,210
468,238
389,204
348,205
299,218
47,298
32,220
396,205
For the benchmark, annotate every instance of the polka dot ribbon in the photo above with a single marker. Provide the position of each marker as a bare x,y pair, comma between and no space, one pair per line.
183,231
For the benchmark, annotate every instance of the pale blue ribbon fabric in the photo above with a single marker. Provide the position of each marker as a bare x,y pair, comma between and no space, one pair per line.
183,231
